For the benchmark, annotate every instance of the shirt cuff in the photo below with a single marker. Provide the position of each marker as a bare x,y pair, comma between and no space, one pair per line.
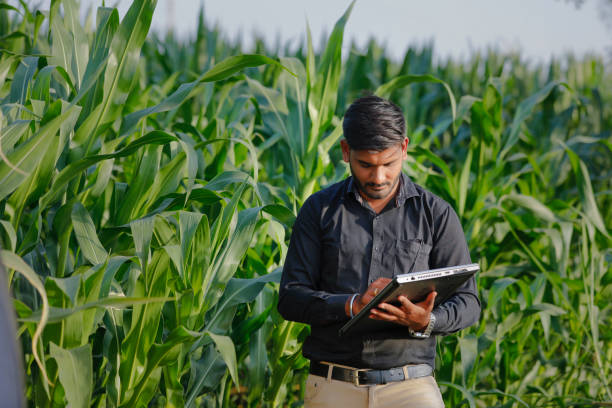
335,304
441,319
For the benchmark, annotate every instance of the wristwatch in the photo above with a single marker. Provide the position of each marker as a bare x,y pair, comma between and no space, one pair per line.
427,332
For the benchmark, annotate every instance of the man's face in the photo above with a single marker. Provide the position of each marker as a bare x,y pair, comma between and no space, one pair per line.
375,172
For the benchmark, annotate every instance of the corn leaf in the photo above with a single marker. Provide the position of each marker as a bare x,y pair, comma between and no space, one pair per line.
222,70
142,231
258,356
57,314
468,345
241,291
74,367
12,261
229,259
226,348
324,91
585,189
122,62
386,89
73,170
533,205
85,233
14,169
160,355
206,373
21,80
11,134
523,111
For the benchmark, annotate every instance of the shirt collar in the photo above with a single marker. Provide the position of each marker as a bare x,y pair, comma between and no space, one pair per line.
406,190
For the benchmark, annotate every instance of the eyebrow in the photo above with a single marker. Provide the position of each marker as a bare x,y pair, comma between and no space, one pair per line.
371,164
382,164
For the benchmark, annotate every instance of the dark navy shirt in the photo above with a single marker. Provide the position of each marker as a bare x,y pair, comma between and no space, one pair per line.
340,245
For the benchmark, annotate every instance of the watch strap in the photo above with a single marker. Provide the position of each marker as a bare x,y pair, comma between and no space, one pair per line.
427,332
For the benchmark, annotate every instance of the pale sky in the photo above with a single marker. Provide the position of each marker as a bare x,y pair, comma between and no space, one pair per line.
538,28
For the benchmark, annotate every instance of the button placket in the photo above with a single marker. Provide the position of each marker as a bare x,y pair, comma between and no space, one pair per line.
376,250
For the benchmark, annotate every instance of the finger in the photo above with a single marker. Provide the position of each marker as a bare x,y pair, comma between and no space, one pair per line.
367,297
363,300
429,301
377,314
430,298
381,282
374,289
406,303
391,310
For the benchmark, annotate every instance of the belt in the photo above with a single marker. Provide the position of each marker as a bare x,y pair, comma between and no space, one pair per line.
359,376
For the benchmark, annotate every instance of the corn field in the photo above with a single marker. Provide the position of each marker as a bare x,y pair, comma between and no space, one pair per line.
148,187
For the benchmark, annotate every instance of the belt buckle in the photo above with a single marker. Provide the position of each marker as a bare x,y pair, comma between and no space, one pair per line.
355,374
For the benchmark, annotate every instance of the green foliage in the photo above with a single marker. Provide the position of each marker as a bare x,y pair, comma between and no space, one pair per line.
148,188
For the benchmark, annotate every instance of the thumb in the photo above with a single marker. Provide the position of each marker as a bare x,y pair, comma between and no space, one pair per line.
429,301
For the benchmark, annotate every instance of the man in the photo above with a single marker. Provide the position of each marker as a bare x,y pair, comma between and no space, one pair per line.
348,241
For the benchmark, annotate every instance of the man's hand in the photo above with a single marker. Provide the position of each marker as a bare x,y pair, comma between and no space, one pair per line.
371,292
413,315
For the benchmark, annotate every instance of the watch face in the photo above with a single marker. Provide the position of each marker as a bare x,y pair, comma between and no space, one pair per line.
419,335
427,332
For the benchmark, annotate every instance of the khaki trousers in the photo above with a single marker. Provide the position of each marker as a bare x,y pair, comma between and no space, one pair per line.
420,392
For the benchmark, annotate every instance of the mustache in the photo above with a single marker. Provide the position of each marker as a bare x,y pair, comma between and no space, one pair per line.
377,185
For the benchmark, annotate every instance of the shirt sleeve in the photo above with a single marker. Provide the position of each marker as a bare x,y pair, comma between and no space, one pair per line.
450,248
300,298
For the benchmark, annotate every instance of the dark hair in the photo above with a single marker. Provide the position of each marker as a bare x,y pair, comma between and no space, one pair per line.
373,123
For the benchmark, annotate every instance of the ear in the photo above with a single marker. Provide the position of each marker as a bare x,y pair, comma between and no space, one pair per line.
405,147
345,150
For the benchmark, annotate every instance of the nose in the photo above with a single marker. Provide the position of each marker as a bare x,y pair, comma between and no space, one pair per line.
379,175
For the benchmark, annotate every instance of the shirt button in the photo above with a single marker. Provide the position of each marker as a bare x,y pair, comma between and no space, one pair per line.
376,249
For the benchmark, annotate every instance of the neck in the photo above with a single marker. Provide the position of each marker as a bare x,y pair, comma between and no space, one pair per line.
378,204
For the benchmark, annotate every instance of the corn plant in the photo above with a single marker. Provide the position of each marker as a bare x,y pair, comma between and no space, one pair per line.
148,186
130,246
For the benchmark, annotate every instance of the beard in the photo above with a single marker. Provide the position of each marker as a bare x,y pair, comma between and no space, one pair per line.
366,188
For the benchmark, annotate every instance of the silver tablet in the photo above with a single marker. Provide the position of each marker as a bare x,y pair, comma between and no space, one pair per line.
415,286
